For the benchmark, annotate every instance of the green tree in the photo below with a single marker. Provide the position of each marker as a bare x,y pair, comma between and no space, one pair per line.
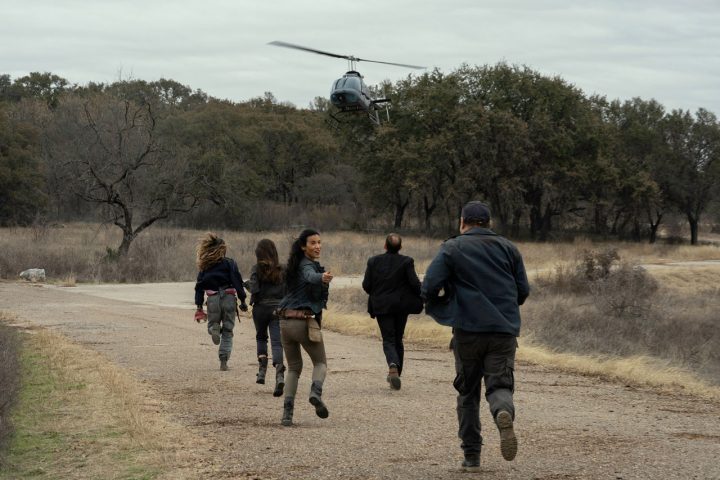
694,159
560,128
46,86
22,194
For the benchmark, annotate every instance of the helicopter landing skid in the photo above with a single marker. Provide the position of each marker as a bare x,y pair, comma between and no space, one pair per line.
373,115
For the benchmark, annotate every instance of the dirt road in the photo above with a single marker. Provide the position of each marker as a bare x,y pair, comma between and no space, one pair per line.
569,426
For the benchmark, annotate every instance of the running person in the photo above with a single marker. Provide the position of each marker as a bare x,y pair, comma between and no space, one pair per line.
300,313
219,279
267,288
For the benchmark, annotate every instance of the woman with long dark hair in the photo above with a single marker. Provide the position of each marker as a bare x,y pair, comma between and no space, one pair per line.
219,279
267,288
300,313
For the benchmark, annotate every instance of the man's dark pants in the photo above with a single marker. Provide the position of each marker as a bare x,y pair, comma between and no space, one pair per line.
392,329
477,356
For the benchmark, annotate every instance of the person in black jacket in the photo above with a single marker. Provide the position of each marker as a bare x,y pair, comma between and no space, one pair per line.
267,288
394,292
219,279
483,282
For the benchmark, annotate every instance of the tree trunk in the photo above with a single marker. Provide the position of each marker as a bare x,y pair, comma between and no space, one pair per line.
124,247
654,226
400,207
515,229
428,210
693,221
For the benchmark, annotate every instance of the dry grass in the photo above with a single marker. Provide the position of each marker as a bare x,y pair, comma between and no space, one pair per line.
636,370
167,254
702,281
82,417
599,315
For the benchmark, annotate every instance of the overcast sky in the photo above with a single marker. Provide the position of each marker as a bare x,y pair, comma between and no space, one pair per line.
662,49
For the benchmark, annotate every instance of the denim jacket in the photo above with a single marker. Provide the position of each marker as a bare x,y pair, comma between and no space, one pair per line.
484,281
307,289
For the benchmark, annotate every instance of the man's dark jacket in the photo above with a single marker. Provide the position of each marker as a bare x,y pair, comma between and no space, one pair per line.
392,283
484,280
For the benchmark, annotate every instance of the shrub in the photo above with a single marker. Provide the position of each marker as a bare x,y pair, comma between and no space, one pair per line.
626,291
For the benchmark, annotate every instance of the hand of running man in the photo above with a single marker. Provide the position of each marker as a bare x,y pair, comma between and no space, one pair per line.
327,277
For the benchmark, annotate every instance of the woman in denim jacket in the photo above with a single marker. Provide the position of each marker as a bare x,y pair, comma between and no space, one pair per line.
300,313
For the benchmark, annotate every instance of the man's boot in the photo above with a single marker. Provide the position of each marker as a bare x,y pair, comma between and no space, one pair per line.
262,369
316,399
394,377
508,441
223,363
471,462
288,408
279,380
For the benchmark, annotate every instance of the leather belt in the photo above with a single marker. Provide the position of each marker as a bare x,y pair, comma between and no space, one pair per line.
229,291
295,314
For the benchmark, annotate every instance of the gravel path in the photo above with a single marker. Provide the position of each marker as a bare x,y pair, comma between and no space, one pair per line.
568,426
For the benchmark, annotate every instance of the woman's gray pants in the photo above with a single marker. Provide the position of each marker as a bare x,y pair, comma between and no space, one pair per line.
221,309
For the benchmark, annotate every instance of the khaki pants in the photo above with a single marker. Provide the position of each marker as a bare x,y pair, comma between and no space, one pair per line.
294,334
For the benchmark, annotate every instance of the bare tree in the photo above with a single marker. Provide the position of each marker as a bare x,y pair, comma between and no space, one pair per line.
115,153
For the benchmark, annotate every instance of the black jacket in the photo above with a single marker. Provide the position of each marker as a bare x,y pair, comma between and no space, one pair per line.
391,282
484,279
224,274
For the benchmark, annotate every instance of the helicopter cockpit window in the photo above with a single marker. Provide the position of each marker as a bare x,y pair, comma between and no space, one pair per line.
348,82
352,82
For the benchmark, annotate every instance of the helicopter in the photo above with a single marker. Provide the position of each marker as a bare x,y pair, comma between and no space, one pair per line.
349,93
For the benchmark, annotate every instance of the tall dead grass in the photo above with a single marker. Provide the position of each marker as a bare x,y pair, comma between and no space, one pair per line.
162,254
598,314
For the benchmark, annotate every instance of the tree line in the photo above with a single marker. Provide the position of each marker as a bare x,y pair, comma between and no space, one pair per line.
547,157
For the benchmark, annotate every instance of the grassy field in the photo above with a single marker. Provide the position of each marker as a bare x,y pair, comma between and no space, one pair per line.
656,327
664,315
79,252
79,416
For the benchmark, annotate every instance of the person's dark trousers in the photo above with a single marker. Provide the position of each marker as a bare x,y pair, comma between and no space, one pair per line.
482,355
265,320
392,329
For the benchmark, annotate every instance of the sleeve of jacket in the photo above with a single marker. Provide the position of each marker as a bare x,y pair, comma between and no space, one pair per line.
199,292
237,281
367,279
437,274
310,275
521,280
411,276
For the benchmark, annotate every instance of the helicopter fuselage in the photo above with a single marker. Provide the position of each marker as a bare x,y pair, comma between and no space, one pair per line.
350,93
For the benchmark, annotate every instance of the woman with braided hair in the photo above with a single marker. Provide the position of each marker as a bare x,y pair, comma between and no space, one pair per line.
219,279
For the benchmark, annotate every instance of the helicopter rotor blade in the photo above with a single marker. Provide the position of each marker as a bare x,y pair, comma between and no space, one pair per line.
416,67
278,43
306,49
